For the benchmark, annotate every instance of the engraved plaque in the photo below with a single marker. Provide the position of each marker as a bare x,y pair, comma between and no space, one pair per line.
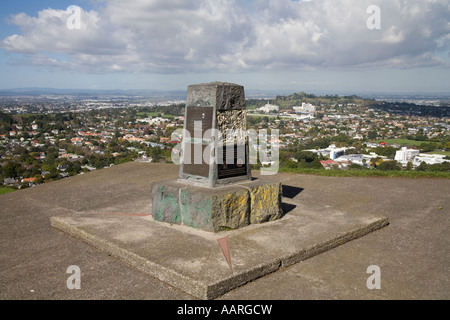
233,164
196,169
198,120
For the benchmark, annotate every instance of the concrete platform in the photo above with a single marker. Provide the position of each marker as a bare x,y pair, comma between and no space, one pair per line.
412,252
191,259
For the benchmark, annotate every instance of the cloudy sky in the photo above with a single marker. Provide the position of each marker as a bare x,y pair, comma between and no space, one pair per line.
329,46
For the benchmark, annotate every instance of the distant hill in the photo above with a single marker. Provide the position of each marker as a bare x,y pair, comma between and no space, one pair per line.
92,92
401,108
412,109
296,99
255,98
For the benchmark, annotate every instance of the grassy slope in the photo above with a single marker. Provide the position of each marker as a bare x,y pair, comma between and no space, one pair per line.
4,190
370,173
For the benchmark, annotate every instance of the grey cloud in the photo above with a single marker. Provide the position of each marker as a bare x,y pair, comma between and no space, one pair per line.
174,36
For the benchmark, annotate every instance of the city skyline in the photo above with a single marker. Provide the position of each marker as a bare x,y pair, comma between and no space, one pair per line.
315,46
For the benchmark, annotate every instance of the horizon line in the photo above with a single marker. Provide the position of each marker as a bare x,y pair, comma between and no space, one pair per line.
19,90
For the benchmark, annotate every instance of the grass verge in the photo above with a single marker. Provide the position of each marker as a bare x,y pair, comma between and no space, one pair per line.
370,173
4,190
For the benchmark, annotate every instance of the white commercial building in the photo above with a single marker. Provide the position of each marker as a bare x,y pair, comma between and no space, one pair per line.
153,121
361,159
429,159
414,156
405,155
332,151
269,108
306,107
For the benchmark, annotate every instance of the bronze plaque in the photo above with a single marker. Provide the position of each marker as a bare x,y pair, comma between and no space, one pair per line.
199,119
193,168
233,164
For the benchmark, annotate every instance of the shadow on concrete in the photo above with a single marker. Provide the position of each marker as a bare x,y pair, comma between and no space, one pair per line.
287,207
289,192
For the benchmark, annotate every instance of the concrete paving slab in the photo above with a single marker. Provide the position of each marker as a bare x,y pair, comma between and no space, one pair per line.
192,260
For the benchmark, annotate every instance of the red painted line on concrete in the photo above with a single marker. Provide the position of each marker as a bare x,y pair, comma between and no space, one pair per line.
223,243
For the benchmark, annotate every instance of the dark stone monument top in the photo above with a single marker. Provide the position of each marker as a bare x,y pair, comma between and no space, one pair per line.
220,95
215,144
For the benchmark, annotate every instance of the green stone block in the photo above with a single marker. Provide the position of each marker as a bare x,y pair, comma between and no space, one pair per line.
216,209
195,209
165,205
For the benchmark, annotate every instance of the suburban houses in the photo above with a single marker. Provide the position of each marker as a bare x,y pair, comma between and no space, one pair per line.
39,146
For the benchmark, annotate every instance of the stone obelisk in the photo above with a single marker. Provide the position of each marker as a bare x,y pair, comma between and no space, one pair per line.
215,190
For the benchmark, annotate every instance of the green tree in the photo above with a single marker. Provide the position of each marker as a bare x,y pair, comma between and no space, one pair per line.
409,166
372,135
306,156
440,167
307,159
98,163
38,180
422,167
427,147
389,166
74,168
320,143
385,151
51,176
289,164
355,166
155,153
447,146
49,166
9,170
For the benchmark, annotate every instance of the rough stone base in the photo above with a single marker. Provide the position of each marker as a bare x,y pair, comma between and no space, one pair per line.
217,209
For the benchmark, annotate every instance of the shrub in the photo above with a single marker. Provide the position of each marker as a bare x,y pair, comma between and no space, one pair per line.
389,166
